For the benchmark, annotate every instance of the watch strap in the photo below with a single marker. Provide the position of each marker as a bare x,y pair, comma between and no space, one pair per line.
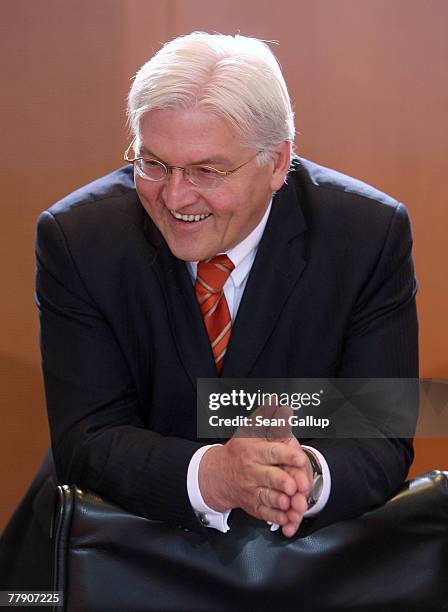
316,488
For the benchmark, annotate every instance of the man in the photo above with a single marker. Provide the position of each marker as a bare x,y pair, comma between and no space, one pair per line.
318,283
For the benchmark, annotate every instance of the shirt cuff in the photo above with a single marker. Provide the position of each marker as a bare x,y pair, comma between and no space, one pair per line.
207,516
326,483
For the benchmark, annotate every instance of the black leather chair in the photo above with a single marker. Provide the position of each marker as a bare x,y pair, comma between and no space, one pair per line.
393,558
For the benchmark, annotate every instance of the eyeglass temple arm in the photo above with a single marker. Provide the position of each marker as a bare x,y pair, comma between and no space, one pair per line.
126,153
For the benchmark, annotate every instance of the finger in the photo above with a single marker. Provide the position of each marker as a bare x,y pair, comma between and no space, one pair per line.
272,498
298,503
290,529
280,453
278,479
294,516
279,432
301,478
270,515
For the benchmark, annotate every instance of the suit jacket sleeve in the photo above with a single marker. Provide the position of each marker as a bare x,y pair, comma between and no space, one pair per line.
97,432
381,341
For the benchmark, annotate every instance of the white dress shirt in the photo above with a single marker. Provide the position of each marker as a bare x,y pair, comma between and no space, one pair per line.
242,256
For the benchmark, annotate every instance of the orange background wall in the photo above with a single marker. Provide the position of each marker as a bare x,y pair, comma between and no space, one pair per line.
369,80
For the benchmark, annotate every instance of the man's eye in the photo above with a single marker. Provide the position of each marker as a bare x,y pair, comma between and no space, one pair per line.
150,164
205,171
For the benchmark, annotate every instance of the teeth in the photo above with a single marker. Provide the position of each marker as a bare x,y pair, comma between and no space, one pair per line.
189,217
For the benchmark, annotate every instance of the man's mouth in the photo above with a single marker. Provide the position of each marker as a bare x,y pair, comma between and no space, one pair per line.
190,218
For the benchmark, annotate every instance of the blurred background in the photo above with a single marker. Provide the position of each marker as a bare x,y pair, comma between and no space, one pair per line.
370,89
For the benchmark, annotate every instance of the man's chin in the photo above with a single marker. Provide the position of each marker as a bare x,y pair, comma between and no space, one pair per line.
192,252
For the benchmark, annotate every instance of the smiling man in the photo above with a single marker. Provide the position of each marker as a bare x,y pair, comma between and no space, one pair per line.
218,252
216,194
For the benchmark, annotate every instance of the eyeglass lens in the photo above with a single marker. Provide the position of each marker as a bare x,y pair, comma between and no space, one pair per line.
197,175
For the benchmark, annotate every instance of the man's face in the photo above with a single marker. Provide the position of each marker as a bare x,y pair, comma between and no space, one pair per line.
233,209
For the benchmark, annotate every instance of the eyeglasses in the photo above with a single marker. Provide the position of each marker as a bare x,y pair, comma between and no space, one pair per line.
198,175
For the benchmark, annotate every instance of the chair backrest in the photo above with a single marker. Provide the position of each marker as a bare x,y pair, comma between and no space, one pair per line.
393,558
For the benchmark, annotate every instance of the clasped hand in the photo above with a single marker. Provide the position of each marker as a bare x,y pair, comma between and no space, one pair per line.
269,479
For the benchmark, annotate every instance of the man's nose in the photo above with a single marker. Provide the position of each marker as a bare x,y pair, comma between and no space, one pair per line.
178,191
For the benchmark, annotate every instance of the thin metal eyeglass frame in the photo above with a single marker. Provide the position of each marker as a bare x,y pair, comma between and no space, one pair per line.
169,169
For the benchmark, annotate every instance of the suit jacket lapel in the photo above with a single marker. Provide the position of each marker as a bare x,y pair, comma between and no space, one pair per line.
276,270
184,314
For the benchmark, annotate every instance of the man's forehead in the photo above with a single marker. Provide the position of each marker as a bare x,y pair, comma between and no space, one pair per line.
210,159
201,136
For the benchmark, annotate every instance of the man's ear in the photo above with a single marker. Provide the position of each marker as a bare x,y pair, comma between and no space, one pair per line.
281,159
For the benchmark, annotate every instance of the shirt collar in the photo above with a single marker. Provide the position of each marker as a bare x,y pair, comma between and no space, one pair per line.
242,255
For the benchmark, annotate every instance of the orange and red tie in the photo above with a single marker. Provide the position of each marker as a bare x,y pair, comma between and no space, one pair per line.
211,276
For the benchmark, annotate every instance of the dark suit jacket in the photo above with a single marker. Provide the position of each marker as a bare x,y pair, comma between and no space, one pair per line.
331,293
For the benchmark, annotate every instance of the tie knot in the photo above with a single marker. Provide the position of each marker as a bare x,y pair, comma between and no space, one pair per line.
213,273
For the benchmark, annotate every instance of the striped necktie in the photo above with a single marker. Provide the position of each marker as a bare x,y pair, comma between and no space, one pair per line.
211,276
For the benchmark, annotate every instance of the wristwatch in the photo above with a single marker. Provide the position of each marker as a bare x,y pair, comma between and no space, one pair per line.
318,481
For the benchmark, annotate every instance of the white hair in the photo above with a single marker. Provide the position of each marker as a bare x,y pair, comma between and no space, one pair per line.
235,77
